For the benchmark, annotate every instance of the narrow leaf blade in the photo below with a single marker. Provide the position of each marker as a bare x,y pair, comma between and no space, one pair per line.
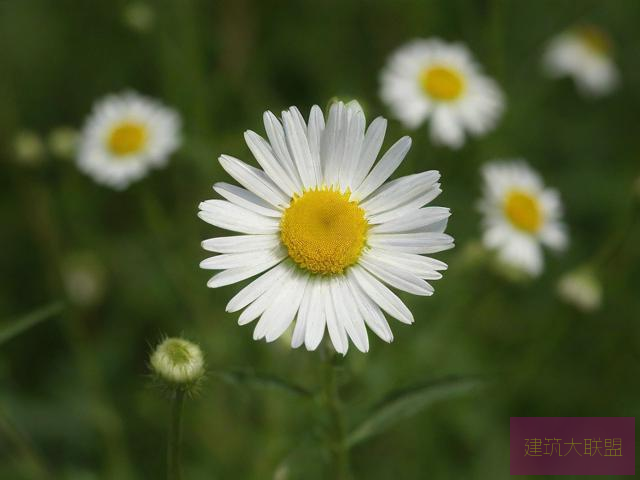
407,402
15,327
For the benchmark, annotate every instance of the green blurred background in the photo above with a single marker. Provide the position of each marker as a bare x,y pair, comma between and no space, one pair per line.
75,397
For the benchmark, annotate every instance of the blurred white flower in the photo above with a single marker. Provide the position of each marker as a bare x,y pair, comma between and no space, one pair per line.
139,16
28,148
178,362
520,215
62,141
84,278
125,136
583,53
321,221
582,289
431,79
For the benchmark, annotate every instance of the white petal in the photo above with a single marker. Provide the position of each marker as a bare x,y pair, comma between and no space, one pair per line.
397,192
278,142
423,267
354,138
226,215
395,277
299,147
332,145
412,242
244,198
336,329
240,243
300,330
410,206
279,315
263,153
236,260
371,313
381,295
348,314
316,317
418,219
259,286
234,275
254,180
383,169
370,148
315,131
258,306
446,129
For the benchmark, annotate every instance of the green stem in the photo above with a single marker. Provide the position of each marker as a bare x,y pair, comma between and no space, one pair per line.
175,436
336,432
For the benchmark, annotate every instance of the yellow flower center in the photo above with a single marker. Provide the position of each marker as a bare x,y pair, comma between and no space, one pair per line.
442,83
523,210
595,39
324,231
127,138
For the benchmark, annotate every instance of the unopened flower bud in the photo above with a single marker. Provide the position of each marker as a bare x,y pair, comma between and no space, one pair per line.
178,363
28,148
62,142
581,289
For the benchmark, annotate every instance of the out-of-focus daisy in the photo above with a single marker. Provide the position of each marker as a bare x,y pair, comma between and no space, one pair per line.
125,136
583,53
520,215
582,289
328,231
431,79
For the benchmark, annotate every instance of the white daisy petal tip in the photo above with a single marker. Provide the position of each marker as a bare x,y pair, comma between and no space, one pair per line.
440,82
325,234
520,216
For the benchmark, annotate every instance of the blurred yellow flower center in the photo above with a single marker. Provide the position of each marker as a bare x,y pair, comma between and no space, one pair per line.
324,231
523,210
595,39
127,138
442,83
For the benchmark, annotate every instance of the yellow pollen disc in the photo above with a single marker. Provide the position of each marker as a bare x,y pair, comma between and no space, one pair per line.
523,210
442,83
127,138
595,39
324,231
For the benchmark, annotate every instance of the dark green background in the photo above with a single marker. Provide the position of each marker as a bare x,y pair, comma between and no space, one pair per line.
74,392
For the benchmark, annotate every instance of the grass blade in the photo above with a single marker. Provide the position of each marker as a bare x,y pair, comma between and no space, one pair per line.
19,325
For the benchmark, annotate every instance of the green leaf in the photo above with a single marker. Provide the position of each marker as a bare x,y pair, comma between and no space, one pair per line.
17,326
406,402
263,381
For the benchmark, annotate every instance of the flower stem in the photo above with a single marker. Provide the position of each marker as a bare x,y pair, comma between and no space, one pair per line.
175,436
335,432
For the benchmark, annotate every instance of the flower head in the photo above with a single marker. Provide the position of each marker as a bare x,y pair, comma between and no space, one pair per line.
431,79
178,362
583,53
520,215
126,136
328,231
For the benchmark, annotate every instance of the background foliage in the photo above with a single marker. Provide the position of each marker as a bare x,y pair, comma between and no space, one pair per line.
74,397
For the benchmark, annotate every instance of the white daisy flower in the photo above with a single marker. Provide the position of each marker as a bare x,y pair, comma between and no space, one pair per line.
326,229
124,137
431,79
583,53
520,215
